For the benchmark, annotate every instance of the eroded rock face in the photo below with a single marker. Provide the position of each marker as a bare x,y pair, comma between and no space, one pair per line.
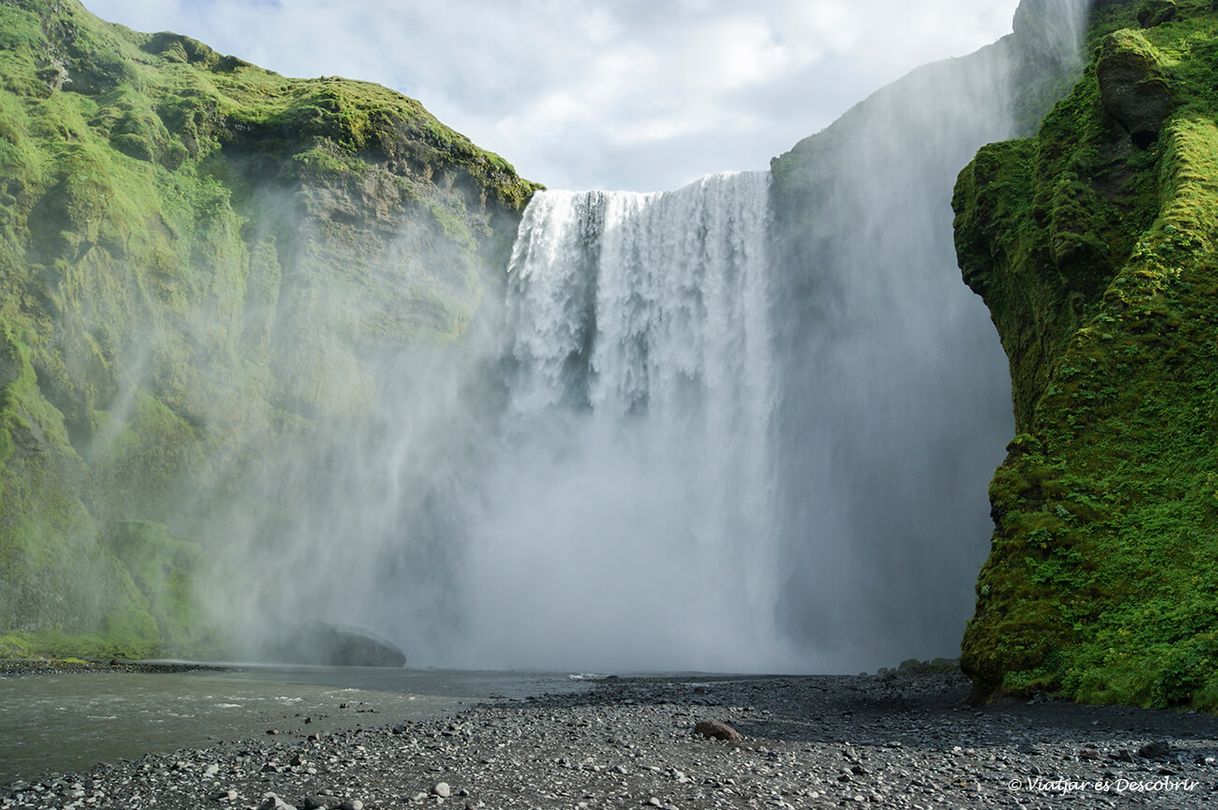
1132,88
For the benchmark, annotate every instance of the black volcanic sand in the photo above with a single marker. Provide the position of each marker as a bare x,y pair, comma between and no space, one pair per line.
904,739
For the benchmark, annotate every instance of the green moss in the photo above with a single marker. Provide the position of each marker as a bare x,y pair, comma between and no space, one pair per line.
1096,255
192,251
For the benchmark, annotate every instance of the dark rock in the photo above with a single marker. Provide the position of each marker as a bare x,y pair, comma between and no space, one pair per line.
319,642
319,802
1155,750
1157,12
1133,90
718,731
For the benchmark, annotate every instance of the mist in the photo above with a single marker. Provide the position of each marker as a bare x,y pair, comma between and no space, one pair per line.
747,425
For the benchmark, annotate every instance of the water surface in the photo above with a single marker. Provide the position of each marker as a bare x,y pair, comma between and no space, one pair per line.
70,722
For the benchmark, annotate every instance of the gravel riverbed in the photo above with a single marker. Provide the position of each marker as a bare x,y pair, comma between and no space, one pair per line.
897,739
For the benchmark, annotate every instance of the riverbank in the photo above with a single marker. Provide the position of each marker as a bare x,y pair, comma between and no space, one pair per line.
891,740
17,667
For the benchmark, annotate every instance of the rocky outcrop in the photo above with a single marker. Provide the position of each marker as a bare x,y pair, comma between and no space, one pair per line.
1094,247
1133,89
200,262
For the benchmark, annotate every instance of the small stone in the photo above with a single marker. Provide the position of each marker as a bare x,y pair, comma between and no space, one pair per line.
351,804
442,790
714,729
654,802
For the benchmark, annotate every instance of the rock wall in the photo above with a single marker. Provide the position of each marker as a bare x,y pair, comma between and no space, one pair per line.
1094,246
893,406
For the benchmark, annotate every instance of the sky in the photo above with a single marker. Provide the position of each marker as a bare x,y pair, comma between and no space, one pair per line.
618,94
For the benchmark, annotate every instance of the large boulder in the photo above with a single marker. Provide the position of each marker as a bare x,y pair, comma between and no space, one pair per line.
319,642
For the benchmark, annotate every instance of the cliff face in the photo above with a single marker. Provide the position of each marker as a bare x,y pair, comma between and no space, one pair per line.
1094,246
199,260
895,398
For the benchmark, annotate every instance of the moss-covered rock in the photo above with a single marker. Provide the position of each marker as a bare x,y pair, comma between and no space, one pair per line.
1094,246
198,257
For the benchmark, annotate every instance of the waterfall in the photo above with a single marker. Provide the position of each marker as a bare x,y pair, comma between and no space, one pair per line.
744,425
751,422
641,398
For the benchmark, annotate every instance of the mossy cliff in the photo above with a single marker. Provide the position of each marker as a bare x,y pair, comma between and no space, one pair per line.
198,257
1095,246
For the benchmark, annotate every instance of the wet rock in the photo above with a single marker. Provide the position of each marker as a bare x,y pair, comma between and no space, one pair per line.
717,730
319,642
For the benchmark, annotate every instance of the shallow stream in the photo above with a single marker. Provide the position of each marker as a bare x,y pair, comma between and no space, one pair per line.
69,722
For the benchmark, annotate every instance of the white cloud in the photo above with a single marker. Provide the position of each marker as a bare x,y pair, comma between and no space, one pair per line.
617,93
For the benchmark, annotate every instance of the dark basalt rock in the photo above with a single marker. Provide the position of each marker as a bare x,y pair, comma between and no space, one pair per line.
1133,90
333,645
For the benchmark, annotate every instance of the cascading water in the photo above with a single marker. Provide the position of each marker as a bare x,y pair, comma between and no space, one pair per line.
745,425
743,444
641,402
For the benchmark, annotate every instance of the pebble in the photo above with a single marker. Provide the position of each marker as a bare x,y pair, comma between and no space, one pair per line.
902,741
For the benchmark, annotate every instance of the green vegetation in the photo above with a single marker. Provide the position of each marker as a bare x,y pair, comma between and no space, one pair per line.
192,251
1095,245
